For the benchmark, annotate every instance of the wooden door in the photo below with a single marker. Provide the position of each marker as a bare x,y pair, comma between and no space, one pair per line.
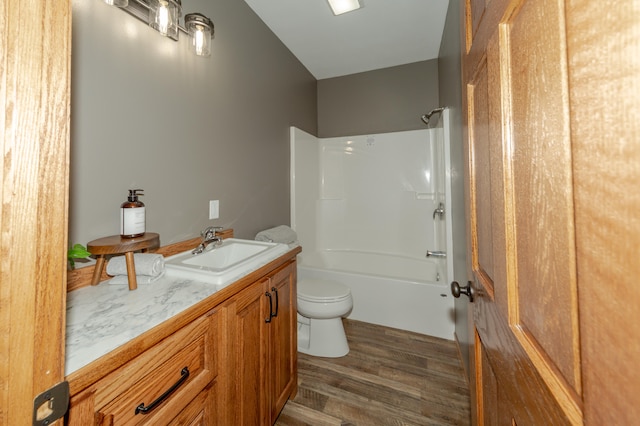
531,148
34,115
521,211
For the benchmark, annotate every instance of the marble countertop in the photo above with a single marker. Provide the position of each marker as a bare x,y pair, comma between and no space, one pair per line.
103,317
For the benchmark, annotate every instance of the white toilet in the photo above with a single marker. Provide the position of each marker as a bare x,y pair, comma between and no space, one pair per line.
321,306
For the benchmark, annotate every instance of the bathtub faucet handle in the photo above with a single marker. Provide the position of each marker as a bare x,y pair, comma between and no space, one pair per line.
439,211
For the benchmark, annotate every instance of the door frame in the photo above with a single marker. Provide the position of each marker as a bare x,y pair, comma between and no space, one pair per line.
35,95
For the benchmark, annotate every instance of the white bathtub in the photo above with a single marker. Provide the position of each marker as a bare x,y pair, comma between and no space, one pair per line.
390,290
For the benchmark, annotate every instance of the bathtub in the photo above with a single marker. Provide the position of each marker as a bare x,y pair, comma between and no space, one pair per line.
394,291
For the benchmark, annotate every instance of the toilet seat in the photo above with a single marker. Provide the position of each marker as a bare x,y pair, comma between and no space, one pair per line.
322,291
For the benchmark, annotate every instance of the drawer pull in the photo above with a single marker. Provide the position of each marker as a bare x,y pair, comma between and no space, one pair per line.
275,290
184,375
268,320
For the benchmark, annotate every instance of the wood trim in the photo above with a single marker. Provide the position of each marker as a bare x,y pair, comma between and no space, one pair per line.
79,278
35,71
467,373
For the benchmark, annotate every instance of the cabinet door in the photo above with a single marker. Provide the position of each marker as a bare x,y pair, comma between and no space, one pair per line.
248,314
283,343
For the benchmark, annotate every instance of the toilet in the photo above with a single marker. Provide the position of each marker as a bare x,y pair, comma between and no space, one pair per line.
321,306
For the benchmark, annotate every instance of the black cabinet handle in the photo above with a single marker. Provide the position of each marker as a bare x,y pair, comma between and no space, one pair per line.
270,307
275,290
184,375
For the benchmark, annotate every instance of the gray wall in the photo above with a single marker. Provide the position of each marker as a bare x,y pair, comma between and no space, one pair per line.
451,96
380,101
148,114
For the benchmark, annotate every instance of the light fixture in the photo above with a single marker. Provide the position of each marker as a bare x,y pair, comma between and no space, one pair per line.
199,28
119,3
164,17
343,6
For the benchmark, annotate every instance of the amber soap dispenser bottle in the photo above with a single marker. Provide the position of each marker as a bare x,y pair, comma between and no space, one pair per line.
132,216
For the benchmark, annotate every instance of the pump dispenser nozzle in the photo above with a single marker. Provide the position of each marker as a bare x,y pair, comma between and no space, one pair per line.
133,194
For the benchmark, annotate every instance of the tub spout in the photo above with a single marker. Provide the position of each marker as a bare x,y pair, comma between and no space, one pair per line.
436,253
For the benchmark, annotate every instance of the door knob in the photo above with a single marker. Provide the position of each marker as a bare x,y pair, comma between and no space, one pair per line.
456,290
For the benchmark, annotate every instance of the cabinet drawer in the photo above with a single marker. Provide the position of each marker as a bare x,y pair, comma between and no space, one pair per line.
199,412
146,378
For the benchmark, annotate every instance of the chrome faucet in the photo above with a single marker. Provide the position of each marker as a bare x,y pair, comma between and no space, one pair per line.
436,253
208,237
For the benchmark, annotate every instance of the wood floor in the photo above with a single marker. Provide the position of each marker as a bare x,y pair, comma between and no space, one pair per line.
390,377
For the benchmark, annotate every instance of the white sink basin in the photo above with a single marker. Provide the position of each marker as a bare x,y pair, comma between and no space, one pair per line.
225,263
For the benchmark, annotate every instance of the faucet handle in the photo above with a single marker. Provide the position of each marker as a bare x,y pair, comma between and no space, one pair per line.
210,231
439,211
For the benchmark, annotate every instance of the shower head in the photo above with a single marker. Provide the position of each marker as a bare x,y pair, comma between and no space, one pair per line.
426,117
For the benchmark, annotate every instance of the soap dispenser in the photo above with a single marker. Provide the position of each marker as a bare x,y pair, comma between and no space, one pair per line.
132,216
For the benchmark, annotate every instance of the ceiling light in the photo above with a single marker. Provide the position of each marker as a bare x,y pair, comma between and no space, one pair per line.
343,6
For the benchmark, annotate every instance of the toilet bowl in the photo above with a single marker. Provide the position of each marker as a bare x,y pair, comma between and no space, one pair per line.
321,306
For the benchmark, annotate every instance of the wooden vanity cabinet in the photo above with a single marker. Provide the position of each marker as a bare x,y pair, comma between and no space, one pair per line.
122,396
241,357
262,336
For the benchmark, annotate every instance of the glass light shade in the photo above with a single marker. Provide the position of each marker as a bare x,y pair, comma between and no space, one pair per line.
119,3
200,29
343,6
163,17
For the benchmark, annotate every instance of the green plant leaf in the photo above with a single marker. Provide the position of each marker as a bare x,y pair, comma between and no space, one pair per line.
78,251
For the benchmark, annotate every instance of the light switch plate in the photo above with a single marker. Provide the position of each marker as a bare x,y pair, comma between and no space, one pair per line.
214,209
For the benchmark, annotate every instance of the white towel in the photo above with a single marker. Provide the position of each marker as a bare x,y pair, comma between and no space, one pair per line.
148,264
280,234
140,279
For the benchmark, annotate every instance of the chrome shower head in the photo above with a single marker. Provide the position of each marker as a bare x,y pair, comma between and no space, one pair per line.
426,117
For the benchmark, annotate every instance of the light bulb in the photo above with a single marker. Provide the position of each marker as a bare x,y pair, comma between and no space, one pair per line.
163,18
198,40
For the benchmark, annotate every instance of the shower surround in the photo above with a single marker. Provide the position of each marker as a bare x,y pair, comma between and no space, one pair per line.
363,207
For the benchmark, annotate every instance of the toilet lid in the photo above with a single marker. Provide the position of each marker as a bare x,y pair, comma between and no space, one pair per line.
322,290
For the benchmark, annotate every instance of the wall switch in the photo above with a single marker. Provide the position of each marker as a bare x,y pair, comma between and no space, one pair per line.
214,209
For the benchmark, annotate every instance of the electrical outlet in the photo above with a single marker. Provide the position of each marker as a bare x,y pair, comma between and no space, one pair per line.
214,209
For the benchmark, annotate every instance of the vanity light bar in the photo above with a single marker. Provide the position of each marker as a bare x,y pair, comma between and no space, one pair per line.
163,16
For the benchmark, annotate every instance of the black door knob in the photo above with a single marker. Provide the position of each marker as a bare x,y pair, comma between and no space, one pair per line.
456,290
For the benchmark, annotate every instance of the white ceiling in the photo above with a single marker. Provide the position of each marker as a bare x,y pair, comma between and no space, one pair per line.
383,33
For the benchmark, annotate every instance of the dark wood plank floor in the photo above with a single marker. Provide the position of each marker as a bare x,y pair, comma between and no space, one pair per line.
390,377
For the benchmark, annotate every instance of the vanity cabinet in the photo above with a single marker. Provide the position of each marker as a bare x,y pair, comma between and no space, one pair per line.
182,368
230,359
262,331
